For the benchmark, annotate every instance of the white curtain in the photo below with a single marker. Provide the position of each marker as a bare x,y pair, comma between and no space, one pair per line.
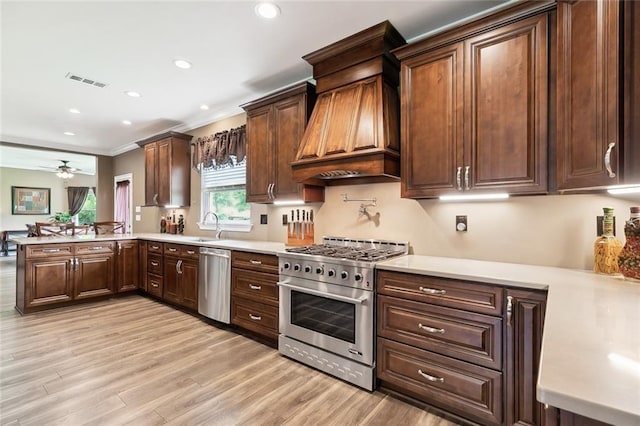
122,204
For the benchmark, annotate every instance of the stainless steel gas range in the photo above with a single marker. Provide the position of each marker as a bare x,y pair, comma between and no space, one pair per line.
327,305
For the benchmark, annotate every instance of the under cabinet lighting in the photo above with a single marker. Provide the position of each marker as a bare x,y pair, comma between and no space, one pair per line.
288,203
624,189
171,206
474,197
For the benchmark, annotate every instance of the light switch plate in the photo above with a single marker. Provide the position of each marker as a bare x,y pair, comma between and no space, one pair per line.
138,209
138,217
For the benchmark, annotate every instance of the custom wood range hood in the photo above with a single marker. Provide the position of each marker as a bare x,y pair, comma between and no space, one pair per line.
353,133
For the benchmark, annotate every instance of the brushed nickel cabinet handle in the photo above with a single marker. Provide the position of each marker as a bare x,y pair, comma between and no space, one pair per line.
96,248
155,198
509,310
172,250
154,285
255,262
459,178
155,247
431,329
179,267
255,317
607,160
154,264
50,250
255,287
190,252
430,377
119,249
432,291
466,177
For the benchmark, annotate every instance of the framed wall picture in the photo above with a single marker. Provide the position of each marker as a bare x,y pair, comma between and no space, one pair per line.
26,200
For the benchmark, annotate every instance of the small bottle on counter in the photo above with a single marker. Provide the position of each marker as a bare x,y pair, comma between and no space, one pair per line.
180,224
607,247
629,259
163,225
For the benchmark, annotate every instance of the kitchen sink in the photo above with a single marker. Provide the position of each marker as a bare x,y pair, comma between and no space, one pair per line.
202,239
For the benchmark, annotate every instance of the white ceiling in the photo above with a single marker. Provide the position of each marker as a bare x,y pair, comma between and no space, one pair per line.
18,157
131,45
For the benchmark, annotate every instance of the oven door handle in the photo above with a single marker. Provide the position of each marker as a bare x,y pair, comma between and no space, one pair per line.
323,294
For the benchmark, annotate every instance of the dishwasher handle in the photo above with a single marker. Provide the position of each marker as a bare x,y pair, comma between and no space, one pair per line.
212,253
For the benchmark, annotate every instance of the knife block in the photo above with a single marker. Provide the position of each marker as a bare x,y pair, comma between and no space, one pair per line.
294,238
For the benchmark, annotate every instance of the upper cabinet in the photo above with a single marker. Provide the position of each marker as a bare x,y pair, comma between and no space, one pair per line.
275,126
474,107
597,86
167,170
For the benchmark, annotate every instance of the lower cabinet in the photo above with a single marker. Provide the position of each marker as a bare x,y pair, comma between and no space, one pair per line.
127,261
557,417
93,276
254,293
47,281
180,278
467,348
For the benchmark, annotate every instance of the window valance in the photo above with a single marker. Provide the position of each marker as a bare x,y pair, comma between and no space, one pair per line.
222,149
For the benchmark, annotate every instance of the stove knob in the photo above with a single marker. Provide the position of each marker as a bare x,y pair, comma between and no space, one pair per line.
332,272
307,268
319,270
296,267
344,275
286,265
358,277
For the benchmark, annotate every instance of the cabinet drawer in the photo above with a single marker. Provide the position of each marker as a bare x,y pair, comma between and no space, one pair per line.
50,250
180,250
465,295
94,248
257,317
154,285
255,261
464,335
154,264
466,389
256,286
154,247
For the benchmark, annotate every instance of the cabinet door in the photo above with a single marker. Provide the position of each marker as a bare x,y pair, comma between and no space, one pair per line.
188,284
48,281
142,268
127,276
93,276
588,86
431,122
506,108
525,318
150,174
289,121
164,172
170,292
259,154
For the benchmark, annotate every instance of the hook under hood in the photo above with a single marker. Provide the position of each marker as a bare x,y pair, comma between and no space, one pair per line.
353,132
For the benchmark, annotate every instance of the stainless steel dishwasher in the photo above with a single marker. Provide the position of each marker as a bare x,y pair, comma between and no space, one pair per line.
214,288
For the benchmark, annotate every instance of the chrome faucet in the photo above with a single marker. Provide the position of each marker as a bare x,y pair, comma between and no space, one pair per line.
218,229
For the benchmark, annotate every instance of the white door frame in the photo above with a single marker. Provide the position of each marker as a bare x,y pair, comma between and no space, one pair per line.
122,178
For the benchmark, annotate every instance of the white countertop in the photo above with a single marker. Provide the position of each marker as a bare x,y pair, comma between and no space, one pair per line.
590,361
265,247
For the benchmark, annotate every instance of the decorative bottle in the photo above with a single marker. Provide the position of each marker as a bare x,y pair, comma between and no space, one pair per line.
163,225
629,260
607,247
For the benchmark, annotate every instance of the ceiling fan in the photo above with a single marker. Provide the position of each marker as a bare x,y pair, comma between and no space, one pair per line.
64,171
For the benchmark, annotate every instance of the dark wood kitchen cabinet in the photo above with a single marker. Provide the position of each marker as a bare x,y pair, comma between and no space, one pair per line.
275,126
474,107
153,268
167,165
254,293
597,85
94,270
127,261
468,348
180,278
557,417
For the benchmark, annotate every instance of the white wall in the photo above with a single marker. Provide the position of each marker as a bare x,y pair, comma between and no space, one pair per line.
38,179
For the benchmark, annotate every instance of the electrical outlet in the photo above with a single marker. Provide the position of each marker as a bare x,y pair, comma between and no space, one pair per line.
263,219
461,223
285,219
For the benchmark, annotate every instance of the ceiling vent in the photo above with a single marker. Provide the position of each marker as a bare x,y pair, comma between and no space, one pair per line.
89,81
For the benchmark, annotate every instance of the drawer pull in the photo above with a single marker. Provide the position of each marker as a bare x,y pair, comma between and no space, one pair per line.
431,329
50,250
172,250
509,310
431,378
255,262
190,252
431,290
154,264
255,287
154,285
155,247
96,248
255,317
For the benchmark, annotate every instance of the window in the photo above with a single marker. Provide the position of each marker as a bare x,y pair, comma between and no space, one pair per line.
224,193
87,214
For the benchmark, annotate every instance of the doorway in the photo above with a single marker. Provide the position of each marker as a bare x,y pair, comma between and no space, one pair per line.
123,200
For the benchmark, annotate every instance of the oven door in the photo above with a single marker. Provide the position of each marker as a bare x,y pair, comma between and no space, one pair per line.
331,317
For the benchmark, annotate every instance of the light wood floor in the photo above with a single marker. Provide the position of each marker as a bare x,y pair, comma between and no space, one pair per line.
134,361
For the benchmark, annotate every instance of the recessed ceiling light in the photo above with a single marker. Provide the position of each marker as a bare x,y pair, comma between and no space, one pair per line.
69,133
267,10
132,93
181,63
126,122
204,107
74,111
